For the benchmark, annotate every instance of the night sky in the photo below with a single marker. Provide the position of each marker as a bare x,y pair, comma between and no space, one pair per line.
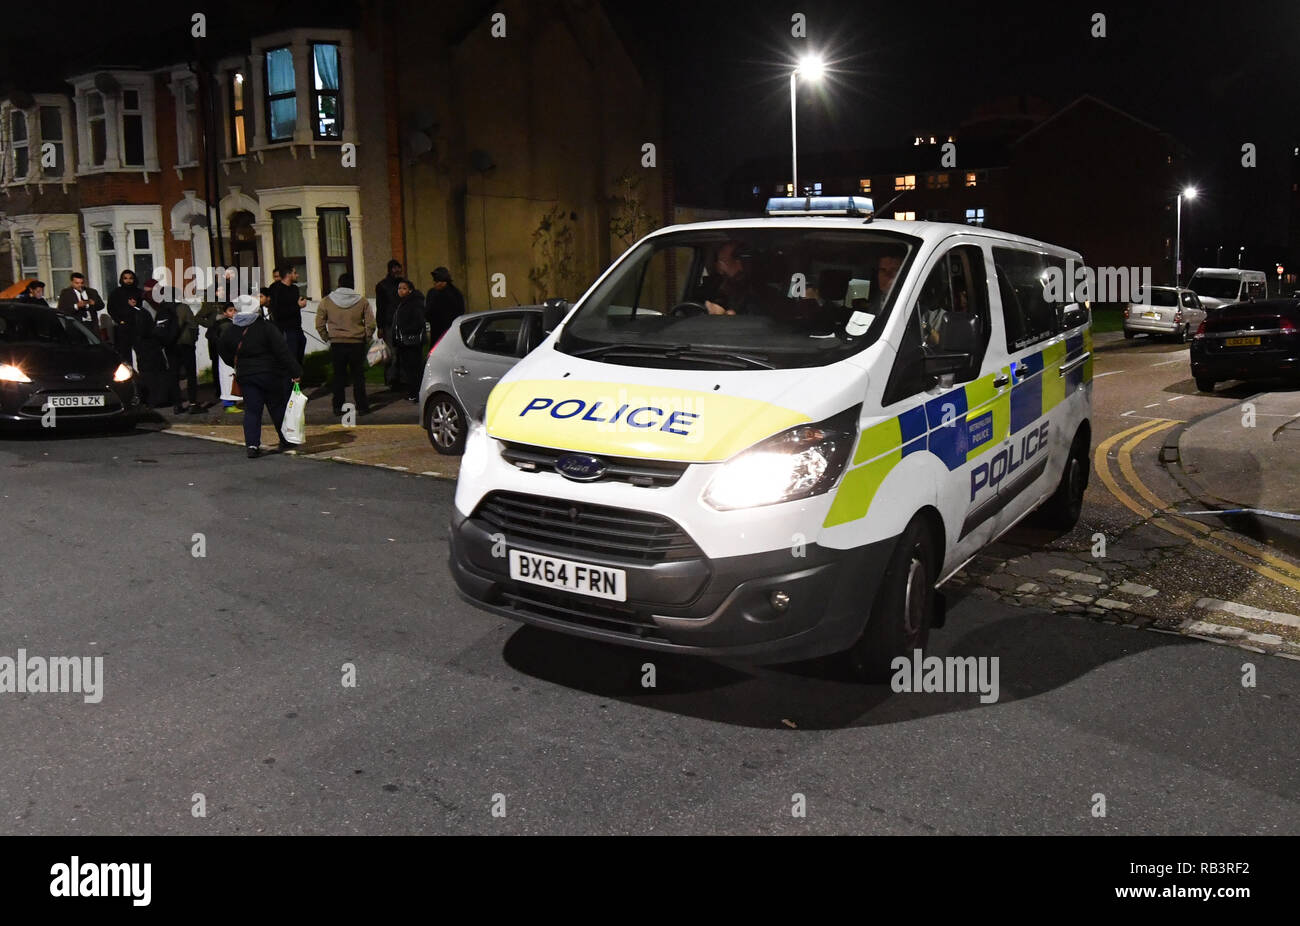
1214,76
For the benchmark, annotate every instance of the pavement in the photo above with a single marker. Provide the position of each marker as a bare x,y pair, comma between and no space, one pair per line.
389,437
1244,457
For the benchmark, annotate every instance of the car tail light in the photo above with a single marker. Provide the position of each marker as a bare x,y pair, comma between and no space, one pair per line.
437,342
1178,316
1287,326
1125,310
1200,330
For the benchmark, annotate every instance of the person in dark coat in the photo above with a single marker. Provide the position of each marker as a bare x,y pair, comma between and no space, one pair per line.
122,304
386,300
286,310
408,337
34,294
156,330
81,302
182,359
443,305
263,366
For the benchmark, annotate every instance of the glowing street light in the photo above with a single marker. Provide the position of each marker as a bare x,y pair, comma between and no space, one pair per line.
812,68
1188,193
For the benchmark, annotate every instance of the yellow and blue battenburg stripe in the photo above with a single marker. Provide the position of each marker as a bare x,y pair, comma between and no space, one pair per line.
964,422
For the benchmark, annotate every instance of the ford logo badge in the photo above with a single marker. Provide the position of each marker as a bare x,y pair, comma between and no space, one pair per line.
580,467
74,377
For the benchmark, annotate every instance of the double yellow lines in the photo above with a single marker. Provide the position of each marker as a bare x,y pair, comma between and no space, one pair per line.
1160,513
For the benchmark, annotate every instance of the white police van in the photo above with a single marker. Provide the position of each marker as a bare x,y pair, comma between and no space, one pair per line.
771,439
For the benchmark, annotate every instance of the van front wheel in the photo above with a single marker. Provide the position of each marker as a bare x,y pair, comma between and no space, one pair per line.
903,611
1061,511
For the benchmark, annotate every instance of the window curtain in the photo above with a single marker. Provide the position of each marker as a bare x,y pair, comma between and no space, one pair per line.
279,79
288,233
336,233
327,66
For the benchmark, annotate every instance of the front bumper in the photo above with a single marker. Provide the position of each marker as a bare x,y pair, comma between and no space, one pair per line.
716,607
22,403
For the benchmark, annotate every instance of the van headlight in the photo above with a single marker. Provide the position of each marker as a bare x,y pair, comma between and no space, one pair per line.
803,461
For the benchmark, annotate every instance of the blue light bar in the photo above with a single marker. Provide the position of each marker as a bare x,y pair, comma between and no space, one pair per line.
820,205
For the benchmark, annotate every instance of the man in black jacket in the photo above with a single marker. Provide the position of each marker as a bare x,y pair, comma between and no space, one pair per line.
155,335
286,310
386,300
263,366
443,305
122,304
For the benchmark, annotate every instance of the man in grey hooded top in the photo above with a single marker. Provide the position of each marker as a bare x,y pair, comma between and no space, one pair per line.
346,323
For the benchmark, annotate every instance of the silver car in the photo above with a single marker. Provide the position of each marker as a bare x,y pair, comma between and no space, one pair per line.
1166,311
477,350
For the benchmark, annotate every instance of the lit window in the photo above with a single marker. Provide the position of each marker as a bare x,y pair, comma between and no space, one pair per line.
952,138
904,216
755,190
905,182
943,181
327,120
932,139
789,189
970,178
975,216
817,188
238,115
864,186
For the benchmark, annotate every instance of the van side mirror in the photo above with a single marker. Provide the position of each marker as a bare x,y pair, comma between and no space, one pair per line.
553,312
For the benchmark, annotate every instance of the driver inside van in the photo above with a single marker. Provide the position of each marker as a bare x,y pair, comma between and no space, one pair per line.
730,289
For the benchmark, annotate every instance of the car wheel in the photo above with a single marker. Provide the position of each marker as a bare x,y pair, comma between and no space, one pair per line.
1061,511
1128,335
903,612
1204,384
445,423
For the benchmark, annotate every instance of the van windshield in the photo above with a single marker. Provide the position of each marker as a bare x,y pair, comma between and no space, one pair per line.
1215,287
744,298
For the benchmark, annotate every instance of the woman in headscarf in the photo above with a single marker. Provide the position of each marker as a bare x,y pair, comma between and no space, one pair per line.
263,366
122,304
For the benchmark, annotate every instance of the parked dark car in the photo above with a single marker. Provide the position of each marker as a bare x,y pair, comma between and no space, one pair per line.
1248,341
50,360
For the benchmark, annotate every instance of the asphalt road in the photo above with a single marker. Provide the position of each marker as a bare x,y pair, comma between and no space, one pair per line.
223,677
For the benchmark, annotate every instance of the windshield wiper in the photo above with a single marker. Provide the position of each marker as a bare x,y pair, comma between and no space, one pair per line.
680,352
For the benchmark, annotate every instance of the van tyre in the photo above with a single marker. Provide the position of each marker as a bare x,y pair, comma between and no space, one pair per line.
1204,384
1061,511
446,424
903,611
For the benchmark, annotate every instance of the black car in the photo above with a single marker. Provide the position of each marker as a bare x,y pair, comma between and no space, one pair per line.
52,362
1248,341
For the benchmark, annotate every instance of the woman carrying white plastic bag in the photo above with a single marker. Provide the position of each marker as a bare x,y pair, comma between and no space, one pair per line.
294,429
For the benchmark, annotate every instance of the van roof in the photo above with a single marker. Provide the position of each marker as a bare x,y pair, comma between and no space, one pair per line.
928,232
1223,272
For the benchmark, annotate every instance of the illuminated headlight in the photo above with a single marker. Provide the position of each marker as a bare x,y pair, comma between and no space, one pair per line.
798,463
122,373
11,374
477,449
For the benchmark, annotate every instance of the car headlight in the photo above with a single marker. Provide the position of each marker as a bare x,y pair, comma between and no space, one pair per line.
122,373
797,463
11,374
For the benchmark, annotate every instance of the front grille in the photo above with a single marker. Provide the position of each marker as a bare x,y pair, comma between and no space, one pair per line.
607,616
648,473
587,529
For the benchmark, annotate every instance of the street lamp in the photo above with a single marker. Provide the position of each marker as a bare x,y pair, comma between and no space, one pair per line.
1189,193
812,67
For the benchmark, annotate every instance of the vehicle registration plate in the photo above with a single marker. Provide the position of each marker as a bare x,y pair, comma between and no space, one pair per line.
1150,314
76,401
569,576
1241,342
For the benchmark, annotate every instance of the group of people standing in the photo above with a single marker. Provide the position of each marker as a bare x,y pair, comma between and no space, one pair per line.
403,315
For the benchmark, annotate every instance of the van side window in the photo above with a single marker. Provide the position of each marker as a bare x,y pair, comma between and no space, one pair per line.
1254,289
951,315
1023,282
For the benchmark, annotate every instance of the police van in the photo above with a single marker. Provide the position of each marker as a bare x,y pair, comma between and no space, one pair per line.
772,439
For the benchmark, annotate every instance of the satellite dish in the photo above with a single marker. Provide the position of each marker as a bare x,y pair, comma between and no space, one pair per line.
481,161
107,83
418,143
